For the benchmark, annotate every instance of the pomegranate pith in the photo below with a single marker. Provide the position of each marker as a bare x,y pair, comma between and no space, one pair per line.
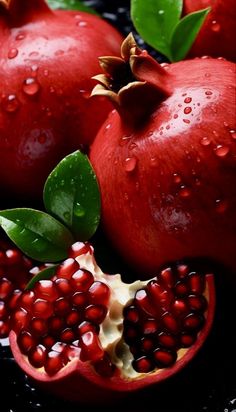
104,335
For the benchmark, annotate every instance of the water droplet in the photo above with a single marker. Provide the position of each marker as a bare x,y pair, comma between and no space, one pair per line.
187,110
176,116
221,205
186,121
150,133
82,24
79,210
126,196
11,103
137,186
125,139
108,126
215,26
20,36
221,151
184,94
12,53
187,100
168,127
66,215
177,178
154,161
31,86
205,141
161,12
130,164
46,72
179,105
184,191
233,134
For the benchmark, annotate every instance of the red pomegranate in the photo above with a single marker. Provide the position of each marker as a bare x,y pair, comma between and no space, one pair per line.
14,275
47,59
84,332
217,35
165,159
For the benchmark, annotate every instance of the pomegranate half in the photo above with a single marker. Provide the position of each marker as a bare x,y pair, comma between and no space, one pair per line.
47,59
86,332
165,159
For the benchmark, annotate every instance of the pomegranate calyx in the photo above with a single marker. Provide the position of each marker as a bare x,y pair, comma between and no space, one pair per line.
130,80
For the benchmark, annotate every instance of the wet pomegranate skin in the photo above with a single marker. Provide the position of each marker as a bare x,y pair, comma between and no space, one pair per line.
216,37
73,334
47,59
171,177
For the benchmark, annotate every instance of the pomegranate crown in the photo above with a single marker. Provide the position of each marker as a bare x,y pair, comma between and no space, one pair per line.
135,82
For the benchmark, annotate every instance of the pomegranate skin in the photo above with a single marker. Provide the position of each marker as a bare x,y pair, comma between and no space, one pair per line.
216,37
47,60
168,187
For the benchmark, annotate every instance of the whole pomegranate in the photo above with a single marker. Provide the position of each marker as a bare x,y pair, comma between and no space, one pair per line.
216,37
85,332
47,59
165,159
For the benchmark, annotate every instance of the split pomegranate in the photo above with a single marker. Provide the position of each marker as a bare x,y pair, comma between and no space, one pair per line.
165,159
216,37
87,332
14,275
47,59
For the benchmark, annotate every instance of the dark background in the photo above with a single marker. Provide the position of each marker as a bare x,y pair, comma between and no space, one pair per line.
208,384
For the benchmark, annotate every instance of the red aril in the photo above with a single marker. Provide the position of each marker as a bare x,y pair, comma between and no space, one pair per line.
124,337
47,59
165,160
217,35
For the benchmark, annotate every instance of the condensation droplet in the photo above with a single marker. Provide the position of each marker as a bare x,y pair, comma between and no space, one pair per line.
161,12
177,178
187,110
221,205
221,151
20,36
31,86
168,127
79,210
176,116
46,72
11,103
125,139
184,191
215,26
12,53
205,141
186,121
233,134
82,24
108,126
187,100
130,164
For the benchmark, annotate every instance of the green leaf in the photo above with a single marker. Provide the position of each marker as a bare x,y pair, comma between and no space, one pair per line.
155,21
44,274
37,234
70,5
72,195
185,33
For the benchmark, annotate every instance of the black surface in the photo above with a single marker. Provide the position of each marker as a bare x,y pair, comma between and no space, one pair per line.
208,384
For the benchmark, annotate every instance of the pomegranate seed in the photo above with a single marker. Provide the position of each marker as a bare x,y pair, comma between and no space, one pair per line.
159,296
181,289
45,289
104,366
90,347
196,283
80,248
54,362
37,356
55,324
99,293
197,303
143,302
167,340
72,351
67,335
164,358
143,365
42,308
6,288
85,327
20,319
48,341
187,340
146,344
95,313
73,318
80,299
27,299
26,341
63,286
182,271
170,322
81,280
193,322
179,307
67,269
150,326
131,314
167,278
62,307
38,327
14,299
3,310
4,329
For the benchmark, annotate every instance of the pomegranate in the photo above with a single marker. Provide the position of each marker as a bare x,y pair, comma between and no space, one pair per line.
47,59
216,37
86,332
165,159
14,275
